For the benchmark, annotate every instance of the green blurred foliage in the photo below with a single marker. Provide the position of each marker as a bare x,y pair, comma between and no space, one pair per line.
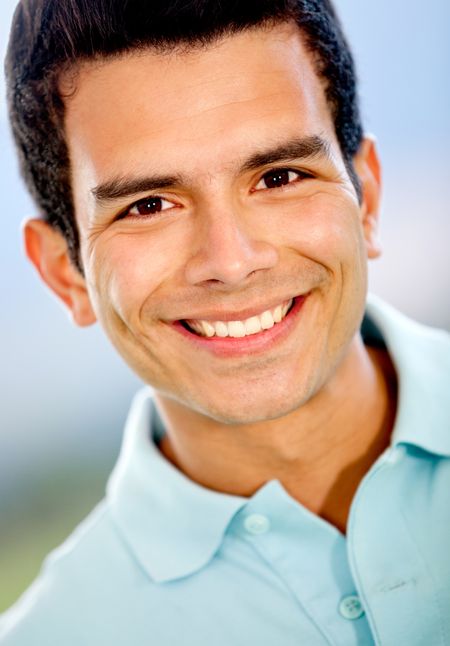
40,517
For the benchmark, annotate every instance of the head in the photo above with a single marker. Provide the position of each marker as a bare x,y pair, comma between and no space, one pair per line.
50,38
195,159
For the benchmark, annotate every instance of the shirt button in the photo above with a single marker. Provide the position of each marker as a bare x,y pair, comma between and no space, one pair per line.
257,524
351,607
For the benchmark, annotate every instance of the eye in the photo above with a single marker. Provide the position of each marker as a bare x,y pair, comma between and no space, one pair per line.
279,177
148,206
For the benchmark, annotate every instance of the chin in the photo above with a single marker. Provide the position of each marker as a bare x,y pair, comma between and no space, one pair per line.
253,410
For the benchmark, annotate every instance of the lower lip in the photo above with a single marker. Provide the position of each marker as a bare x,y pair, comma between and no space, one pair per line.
252,344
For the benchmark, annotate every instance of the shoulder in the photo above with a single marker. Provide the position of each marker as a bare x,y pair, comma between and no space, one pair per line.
421,358
72,588
408,340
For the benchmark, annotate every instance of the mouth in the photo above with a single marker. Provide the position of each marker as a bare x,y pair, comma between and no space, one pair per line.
239,328
265,335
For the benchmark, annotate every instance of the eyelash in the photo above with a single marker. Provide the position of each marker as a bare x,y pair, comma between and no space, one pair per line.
300,175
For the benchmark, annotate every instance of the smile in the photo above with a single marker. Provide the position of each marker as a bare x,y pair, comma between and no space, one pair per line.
238,329
230,338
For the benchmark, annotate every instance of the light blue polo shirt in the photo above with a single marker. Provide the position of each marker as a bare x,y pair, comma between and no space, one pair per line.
163,561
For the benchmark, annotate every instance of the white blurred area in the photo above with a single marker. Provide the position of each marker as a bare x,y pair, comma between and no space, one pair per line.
64,393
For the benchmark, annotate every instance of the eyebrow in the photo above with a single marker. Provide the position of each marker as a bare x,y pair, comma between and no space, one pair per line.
119,187
302,148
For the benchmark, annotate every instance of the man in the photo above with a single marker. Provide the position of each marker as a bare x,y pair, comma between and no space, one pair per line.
206,193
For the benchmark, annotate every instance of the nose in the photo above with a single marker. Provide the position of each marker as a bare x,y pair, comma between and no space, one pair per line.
227,251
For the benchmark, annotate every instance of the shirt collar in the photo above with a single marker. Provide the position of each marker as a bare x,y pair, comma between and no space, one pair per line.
173,525
421,356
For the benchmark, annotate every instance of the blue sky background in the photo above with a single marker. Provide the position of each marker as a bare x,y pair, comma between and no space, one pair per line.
64,393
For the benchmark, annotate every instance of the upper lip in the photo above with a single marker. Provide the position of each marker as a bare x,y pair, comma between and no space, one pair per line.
241,315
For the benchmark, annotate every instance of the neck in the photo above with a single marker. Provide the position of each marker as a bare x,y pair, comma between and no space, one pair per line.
319,452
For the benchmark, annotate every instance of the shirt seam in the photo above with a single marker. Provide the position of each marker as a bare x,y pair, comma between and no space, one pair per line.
430,574
351,549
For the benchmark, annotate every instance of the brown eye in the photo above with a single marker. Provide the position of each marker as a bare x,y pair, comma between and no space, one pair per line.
149,206
273,180
279,177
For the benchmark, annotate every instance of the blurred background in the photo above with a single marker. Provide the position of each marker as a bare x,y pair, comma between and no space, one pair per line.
64,393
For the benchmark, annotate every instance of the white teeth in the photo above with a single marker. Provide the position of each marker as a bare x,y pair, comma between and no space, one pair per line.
277,314
208,328
285,307
236,329
221,328
267,320
253,325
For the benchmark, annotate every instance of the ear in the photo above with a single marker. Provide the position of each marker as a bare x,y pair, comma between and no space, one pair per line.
47,249
368,169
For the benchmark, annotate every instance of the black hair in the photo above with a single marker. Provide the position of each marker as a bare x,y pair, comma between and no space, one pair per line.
49,37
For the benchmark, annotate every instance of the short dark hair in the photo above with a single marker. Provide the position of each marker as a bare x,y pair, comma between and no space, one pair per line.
50,36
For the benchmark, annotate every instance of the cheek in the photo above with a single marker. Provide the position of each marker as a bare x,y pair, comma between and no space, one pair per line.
325,230
128,268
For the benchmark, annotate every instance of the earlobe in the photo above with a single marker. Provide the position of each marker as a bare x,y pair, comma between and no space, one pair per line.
47,250
368,169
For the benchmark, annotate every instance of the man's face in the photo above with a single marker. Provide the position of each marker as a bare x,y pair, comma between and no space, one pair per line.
207,185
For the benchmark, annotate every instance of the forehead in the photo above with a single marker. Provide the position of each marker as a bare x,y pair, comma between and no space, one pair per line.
182,107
